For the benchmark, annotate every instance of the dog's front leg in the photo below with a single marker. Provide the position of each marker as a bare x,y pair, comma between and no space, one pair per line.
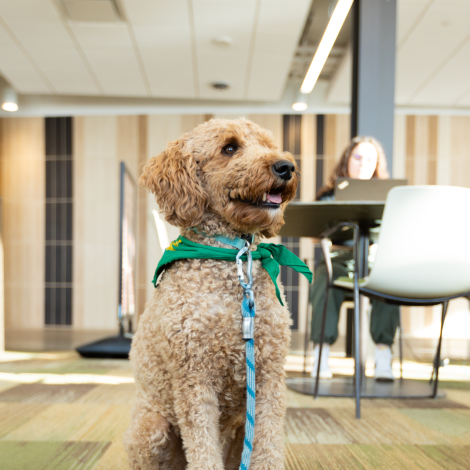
268,445
197,410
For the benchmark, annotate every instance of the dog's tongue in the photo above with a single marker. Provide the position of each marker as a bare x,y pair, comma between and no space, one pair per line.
274,198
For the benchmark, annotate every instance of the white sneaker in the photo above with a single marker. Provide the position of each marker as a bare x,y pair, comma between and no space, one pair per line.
383,363
325,371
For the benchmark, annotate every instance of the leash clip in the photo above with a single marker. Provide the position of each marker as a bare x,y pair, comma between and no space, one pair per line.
241,276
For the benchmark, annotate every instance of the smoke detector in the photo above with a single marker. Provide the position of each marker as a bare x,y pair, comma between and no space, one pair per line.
223,41
220,86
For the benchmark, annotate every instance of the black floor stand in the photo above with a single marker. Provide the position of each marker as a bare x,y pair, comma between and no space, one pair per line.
113,347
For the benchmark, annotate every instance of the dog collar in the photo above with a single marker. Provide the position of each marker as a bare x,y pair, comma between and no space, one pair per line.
236,242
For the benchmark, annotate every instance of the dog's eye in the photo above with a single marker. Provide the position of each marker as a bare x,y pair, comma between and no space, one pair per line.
230,149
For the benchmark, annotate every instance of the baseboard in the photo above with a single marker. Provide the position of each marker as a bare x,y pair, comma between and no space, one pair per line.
51,339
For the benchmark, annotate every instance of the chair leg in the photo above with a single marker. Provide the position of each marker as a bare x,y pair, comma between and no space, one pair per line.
438,352
357,349
400,340
322,337
307,335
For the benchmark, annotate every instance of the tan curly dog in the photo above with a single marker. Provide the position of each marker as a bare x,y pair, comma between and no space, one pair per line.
188,357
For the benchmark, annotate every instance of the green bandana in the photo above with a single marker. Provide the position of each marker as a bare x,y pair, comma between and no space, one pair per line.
271,257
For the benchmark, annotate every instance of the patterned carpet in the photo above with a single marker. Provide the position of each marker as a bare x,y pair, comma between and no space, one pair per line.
60,412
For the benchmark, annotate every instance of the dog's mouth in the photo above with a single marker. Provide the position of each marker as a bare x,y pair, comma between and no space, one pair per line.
268,200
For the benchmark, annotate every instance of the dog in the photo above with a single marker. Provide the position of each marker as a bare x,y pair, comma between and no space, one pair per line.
188,357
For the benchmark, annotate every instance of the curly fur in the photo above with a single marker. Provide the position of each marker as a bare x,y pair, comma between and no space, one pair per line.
188,355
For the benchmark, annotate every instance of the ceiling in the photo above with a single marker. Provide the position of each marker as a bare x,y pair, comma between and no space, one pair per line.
433,56
164,48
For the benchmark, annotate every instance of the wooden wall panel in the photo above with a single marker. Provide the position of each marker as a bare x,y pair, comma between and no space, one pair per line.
100,144
141,281
22,188
444,162
399,147
337,138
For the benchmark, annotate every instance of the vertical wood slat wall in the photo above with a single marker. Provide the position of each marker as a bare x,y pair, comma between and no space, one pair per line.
428,150
100,144
59,215
22,188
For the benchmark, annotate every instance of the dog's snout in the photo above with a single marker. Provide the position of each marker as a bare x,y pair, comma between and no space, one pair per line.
283,169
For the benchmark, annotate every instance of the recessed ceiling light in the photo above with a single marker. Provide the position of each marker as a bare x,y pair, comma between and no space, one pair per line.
9,98
300,104
223,41
12,107
220,85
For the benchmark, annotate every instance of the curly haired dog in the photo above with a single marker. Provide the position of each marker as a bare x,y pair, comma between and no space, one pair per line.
188,357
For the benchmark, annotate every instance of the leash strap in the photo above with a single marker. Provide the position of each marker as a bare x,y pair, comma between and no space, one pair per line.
248,312
248,330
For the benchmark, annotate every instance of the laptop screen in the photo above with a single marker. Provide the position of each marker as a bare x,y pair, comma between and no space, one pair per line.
348,189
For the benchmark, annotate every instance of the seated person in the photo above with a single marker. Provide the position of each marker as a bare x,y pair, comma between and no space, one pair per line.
364,158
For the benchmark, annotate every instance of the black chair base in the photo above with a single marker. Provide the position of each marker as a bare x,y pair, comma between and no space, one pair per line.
113,347
344,387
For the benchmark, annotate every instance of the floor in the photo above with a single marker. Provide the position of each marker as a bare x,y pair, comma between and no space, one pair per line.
58,411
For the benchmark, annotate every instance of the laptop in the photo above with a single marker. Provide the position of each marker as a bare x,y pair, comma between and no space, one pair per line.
348,189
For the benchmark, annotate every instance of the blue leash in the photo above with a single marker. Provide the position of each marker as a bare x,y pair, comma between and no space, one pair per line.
248,313
248,330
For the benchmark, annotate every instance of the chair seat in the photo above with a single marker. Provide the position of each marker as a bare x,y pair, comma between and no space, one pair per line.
348,283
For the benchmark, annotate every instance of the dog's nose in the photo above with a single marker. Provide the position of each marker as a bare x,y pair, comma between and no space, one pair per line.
283,169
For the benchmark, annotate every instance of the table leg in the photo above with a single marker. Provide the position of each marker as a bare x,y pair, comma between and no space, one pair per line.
363,301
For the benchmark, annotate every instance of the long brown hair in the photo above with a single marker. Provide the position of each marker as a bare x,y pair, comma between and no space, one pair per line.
341,169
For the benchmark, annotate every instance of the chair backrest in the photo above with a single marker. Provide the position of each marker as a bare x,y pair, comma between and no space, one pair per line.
424,243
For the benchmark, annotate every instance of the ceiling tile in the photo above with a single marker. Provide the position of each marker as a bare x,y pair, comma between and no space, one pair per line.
408,12
449,83
276,43
172,86
28,11
60,59
158,13
12,58
224,17
25,81
268,77
124,83
102,36
156,62
435,37
465,101
113,60
167,40
47,36
72,82
285,16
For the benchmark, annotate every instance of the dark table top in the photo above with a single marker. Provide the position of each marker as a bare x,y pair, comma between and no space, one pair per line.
310,219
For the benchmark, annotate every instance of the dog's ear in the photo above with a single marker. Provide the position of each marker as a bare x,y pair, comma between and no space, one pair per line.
172,177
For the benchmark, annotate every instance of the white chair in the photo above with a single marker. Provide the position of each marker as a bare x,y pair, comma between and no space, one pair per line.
423,258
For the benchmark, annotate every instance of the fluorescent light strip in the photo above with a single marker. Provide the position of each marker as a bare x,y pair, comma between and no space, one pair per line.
329,37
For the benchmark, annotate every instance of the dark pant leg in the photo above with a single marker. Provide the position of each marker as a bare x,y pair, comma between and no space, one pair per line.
384,320
335,299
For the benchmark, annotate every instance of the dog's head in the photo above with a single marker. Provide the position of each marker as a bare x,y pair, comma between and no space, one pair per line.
228,169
